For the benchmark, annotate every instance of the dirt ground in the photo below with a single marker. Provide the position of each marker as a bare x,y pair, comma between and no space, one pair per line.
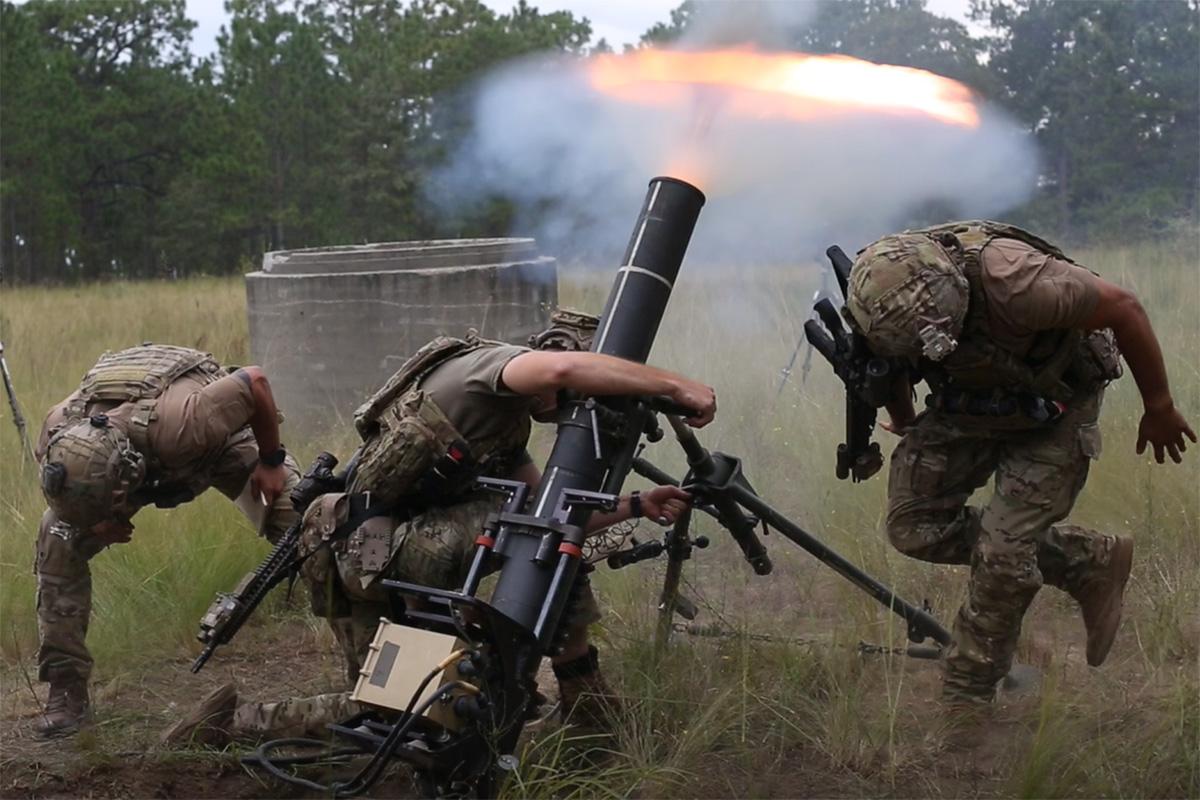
120,755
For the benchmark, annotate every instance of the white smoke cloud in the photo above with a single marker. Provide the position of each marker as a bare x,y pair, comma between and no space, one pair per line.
576,162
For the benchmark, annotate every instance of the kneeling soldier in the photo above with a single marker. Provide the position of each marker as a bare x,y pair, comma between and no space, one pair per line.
157,425
457,410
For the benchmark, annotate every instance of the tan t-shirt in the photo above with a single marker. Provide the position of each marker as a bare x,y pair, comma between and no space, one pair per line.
1029,291
195,425
469,391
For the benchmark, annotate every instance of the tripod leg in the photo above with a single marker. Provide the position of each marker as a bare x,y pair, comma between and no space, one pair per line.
677,546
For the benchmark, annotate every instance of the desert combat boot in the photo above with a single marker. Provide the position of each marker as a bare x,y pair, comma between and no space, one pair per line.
209,723
67,709
1101,599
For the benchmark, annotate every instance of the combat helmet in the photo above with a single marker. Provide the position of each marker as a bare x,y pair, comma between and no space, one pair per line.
85,464
908,296
568,330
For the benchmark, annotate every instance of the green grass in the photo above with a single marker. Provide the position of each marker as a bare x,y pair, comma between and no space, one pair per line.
734,716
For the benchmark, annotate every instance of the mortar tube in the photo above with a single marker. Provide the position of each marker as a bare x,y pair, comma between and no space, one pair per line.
627,329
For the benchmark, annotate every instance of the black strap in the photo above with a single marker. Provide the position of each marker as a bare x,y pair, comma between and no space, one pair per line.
585,665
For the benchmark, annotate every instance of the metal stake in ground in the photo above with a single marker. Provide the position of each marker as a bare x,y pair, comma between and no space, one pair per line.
18,417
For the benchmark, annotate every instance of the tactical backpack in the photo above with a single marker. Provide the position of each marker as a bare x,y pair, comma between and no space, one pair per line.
409,446
1059,363
139,375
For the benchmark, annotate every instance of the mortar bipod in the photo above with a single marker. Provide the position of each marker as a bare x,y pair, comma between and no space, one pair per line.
717,482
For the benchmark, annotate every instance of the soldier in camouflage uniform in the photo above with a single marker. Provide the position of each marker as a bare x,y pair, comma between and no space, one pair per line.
157,425
478,399
1016,343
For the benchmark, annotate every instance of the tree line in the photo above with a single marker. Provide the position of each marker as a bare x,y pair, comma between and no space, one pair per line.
124,154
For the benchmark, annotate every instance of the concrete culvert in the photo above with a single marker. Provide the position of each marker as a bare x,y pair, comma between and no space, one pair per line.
331,324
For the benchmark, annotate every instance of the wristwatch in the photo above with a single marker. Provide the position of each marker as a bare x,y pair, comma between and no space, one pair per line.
635,504
273,459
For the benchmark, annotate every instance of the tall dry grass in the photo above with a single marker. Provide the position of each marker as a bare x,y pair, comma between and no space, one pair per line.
736,715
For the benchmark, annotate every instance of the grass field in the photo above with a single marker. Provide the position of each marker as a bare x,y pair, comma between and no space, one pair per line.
733,716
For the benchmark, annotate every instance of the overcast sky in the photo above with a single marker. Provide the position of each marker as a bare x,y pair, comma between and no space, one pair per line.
621,22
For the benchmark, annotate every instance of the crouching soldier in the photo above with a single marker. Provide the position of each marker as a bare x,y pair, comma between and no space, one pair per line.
151,425
457,410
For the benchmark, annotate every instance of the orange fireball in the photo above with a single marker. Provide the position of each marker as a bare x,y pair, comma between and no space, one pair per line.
743,84
792,85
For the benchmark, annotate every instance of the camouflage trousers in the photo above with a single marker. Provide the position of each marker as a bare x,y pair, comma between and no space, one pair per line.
64,587
305,717
1013,541
434,548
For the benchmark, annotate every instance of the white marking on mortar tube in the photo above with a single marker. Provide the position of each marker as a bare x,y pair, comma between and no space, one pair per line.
538,511
644,271
637,243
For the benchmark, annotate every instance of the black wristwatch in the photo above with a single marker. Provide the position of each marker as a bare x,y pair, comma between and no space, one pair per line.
273,459
635,504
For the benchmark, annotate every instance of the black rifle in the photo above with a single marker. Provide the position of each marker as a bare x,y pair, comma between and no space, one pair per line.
867,377
229,611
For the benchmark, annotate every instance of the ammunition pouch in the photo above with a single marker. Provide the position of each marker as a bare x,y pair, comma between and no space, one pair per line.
320,521
411,453
1097,362
345,543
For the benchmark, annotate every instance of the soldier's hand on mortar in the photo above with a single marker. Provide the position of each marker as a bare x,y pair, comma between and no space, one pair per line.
268,482
664,504
1164,428
698,397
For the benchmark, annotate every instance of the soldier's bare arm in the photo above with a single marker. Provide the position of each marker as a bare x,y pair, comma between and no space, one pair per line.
662,504
264,422
1162,426
541,372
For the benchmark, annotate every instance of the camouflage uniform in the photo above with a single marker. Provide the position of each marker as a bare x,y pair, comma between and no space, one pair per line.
1012,541
1015,338
431,548
192,433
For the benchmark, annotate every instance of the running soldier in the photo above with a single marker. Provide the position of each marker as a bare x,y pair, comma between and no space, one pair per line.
1016,343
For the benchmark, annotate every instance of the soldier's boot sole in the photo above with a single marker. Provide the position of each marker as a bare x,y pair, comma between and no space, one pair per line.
1102,600
209,723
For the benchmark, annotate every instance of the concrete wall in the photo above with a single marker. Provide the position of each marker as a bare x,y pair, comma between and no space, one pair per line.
331,324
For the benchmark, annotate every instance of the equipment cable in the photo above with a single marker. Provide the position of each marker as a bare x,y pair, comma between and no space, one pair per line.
372,770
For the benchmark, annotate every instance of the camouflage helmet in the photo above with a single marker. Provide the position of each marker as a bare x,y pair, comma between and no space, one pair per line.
908,297
85,463
568,330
